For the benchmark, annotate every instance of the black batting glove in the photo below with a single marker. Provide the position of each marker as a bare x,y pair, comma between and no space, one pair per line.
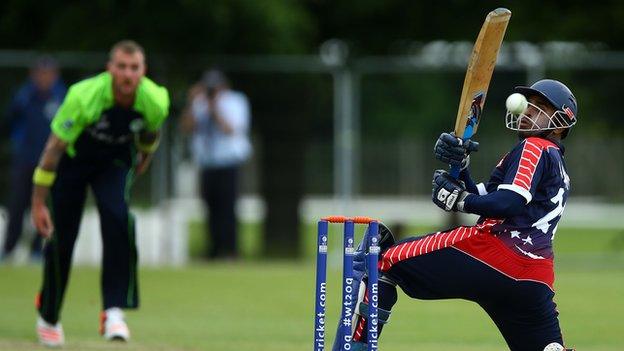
448,193
453,151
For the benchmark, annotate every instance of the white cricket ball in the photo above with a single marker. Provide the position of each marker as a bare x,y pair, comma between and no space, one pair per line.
516,103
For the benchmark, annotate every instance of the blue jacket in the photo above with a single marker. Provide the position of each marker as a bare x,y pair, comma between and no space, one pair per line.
29,116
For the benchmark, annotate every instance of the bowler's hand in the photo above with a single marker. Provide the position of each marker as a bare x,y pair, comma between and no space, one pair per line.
144,160
42,220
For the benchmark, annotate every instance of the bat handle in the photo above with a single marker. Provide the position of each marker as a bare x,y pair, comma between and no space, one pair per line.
455,171
467,134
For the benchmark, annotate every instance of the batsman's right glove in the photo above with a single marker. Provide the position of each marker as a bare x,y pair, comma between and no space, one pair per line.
453,151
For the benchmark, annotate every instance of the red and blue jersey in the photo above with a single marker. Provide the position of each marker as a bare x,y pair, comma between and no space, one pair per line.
516,240
534,169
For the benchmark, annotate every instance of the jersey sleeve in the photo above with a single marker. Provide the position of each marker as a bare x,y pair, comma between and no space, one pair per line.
153,102
524,168
67,123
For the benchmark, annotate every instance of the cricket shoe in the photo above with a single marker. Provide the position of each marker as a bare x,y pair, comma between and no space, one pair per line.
113,326
50,335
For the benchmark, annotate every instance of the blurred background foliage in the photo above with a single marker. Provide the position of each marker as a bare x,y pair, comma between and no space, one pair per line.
292,26
176,31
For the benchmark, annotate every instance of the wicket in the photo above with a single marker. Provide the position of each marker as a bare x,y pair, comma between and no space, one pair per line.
349,296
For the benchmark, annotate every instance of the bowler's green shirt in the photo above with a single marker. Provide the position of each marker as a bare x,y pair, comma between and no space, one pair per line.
89,118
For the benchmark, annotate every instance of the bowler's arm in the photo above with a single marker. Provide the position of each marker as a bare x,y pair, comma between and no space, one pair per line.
43,179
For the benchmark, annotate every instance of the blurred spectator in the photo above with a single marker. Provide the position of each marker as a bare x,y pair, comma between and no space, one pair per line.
28,120
218,119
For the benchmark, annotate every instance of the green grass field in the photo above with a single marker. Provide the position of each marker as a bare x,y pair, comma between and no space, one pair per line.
258,305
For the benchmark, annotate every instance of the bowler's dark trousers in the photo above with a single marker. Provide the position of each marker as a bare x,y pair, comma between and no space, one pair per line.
219,191
110,182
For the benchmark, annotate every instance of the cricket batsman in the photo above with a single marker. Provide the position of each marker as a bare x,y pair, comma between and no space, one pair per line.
104,133
504,263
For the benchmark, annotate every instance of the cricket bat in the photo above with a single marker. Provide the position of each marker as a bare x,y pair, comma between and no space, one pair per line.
479,74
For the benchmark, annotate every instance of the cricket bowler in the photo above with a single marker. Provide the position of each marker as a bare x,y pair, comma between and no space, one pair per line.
106,130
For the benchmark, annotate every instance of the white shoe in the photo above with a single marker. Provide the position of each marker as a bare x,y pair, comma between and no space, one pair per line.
113,326
50,335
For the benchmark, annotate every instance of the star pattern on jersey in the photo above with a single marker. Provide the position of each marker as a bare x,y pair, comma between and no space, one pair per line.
528,240
515,234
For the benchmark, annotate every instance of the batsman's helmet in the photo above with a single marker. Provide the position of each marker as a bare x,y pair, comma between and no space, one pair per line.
559,96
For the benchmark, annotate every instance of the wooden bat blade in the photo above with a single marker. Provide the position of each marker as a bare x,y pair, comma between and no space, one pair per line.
479,72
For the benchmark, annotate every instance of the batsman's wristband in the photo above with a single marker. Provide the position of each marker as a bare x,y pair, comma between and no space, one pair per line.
147,147
43,177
